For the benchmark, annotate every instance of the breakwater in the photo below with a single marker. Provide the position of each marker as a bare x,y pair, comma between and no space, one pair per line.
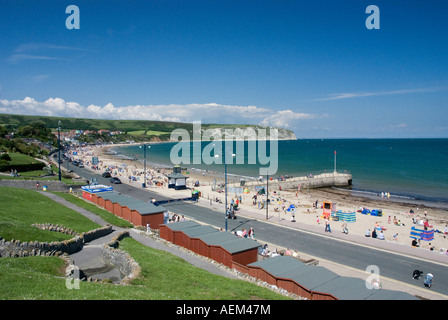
324,180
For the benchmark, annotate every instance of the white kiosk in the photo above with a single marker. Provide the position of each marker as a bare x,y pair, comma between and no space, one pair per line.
177,180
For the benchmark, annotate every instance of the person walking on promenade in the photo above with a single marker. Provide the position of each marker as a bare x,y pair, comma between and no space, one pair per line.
345,227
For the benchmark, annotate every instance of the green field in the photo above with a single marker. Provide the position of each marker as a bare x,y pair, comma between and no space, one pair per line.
163,276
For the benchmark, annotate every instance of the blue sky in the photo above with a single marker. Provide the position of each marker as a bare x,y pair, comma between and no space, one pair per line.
310,66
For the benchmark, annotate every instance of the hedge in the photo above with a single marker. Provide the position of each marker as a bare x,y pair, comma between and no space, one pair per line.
21,167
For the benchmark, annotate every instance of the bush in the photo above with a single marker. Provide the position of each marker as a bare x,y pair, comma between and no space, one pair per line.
5,157
21,167
21,163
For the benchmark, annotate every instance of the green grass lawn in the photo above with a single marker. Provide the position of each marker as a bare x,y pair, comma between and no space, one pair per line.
36,174
21,208
19,158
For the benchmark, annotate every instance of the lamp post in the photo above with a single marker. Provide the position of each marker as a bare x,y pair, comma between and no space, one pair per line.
267,196
144,164
59,149
225,183
335,162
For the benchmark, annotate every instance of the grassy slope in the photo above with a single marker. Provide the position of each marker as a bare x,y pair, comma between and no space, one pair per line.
163,277
21,208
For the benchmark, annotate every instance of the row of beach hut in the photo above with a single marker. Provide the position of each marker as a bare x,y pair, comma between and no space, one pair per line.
308,281
137,212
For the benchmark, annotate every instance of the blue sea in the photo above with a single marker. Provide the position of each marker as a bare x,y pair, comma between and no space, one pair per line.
407,168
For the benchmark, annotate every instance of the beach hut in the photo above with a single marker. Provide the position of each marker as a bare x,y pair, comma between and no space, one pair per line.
316,282
328,207
167,231
135,211
223,247
89,190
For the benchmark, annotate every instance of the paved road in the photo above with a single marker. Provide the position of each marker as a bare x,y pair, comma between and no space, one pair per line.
391,265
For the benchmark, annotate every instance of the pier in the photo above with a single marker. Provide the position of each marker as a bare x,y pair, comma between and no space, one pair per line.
312,181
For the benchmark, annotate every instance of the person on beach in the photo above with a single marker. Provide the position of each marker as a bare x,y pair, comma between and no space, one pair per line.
345,227
414,243
327,225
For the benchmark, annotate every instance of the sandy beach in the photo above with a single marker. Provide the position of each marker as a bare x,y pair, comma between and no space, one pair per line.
396,221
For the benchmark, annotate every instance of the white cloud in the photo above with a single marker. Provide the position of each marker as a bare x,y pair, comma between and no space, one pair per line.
42,51
207,112
350,95
16,58
26,47
286,118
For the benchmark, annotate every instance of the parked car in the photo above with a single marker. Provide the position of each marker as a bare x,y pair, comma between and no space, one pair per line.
106,175
115,180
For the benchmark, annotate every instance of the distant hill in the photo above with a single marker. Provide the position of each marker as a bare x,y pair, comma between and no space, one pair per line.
139,129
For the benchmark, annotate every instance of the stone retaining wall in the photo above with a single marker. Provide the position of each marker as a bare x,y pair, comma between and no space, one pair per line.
17,248
52,185
120,259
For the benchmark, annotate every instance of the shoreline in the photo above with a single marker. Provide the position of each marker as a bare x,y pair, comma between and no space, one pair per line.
398,199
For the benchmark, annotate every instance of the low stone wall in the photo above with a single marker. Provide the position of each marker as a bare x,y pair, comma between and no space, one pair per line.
55,228
52,185
17,248
120,259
